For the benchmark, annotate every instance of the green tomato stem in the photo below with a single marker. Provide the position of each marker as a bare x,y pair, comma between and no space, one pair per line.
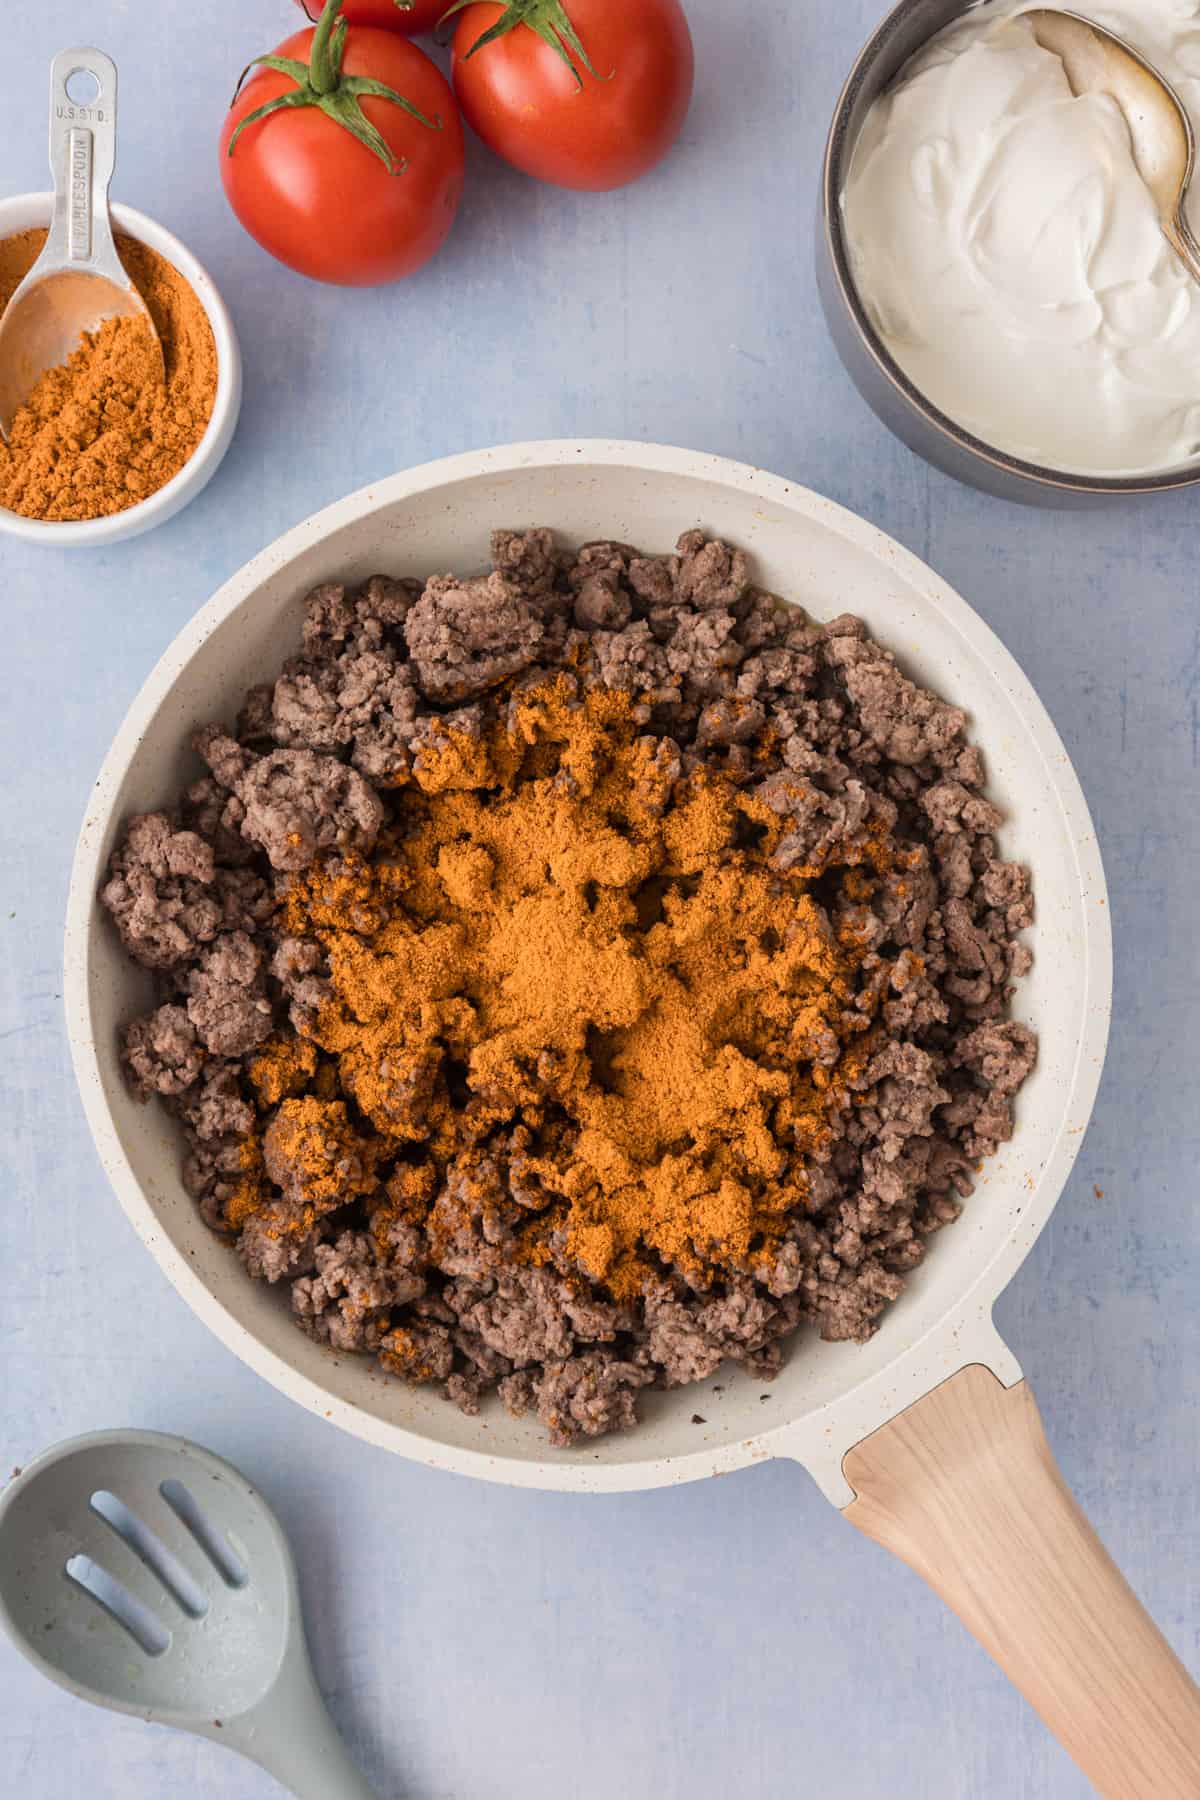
322,69
400,5
323,85
548,18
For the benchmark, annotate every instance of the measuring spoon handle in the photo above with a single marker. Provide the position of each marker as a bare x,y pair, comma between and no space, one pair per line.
83,149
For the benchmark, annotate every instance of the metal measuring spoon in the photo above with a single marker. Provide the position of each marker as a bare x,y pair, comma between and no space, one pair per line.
78,281
1097,61
144,1574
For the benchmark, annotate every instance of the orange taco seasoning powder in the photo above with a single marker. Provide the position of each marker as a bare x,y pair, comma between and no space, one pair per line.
104,430
606,954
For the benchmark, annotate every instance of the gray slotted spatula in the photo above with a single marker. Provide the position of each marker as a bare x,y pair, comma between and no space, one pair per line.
144,1574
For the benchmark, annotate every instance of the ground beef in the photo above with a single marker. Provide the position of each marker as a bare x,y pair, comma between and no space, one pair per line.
384,1250
581,1396
279,1244
162,1053
296,804
313,1154
160,892
343,1301
298,965
227,1002
466,636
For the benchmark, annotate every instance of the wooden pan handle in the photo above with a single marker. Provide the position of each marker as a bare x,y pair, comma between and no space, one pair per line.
964,1488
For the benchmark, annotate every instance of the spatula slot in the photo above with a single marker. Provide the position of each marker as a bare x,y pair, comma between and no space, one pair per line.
150,1549
144,1626
211,1538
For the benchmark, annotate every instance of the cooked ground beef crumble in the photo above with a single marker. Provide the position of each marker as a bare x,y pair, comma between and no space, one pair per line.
449,1252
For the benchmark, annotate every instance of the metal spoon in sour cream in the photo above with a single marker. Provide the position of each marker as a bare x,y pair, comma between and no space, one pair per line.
1097,61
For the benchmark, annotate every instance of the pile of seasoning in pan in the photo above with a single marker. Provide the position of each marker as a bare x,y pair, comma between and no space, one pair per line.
574,976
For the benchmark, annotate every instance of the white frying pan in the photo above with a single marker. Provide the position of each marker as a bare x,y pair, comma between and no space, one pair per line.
927,1438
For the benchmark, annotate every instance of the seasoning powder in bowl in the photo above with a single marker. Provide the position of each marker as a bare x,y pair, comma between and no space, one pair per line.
1010,256
103,432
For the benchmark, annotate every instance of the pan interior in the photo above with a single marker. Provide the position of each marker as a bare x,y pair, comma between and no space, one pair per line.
815,555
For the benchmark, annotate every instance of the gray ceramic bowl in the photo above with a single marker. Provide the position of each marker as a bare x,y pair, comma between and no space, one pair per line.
877,376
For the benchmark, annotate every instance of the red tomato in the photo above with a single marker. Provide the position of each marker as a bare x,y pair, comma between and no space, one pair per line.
325,203
423,15
548,114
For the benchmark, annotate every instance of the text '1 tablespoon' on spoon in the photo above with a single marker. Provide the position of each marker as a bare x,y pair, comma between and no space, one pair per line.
78,281
1097,61
144,1574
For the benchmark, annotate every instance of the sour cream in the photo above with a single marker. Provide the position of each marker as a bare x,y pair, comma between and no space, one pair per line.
1010,256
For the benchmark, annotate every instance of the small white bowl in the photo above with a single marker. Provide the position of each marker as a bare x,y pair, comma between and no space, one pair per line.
24,212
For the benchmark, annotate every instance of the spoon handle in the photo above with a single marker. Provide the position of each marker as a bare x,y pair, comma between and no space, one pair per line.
83,148
291,1734
1182,240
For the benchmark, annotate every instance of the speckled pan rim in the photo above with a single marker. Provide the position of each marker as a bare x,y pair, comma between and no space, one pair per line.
838,150
25,212
819,1435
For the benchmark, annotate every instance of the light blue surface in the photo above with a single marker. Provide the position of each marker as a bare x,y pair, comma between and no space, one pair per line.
734,1637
